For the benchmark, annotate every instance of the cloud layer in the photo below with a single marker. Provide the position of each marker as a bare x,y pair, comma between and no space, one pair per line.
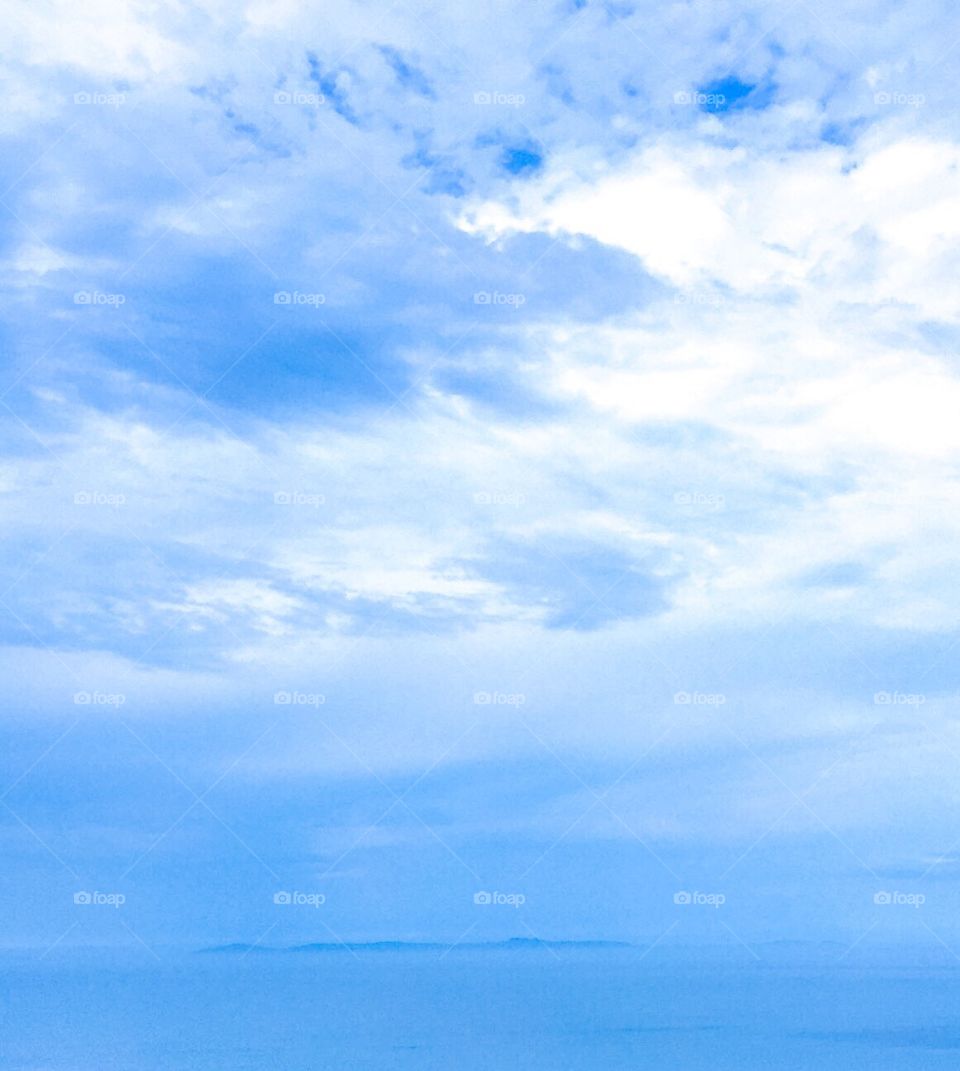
554,407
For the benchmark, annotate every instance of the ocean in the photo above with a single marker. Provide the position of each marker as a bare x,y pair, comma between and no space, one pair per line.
468,1011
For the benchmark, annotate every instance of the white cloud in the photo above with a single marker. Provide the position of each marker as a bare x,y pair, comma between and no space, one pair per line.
103,40
867,225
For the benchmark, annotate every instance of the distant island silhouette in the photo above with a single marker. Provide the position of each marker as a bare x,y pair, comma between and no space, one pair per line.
652,951
512,944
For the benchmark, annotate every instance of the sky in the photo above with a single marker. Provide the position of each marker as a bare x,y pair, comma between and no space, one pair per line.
479,471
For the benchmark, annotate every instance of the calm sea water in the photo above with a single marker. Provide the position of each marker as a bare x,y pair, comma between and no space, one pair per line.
467,1011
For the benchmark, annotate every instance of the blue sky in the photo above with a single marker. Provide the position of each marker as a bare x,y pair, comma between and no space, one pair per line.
452,449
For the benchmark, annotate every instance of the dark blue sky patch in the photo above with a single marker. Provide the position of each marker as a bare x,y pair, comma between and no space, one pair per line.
422,155
248,129
843,133
450,181
445,176
731,94
837,134
518,155
408,75
521,159
558,83
212,91
617,11
326,82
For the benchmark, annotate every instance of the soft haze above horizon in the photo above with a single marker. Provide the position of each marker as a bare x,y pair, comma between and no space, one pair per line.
491,470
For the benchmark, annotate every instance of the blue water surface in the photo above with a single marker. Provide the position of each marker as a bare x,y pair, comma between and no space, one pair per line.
468,1010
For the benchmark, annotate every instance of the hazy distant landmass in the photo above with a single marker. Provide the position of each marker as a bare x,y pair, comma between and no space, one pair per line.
513,944
794,954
